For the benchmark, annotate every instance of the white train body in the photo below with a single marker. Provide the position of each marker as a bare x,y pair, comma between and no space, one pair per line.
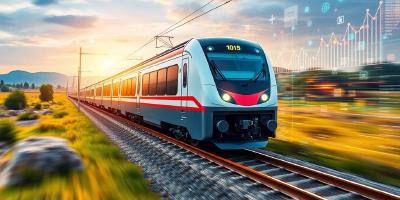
221,90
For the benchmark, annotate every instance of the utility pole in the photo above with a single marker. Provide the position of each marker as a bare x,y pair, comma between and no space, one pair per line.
80,73
79,78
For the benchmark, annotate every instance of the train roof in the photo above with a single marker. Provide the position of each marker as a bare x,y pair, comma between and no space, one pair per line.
203,42
144,62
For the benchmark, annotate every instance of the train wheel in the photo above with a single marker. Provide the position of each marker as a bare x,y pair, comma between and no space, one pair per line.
178,134
191,141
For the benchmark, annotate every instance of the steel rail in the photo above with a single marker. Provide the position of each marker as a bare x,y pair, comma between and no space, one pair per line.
348,185
252,174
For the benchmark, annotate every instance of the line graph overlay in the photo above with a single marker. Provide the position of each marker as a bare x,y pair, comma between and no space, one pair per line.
359,45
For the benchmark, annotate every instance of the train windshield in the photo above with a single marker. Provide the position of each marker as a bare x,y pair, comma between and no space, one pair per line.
238,66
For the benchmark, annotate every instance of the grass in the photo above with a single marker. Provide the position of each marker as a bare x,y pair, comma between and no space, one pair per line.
60,114
351,137
7,131
27,116
107,174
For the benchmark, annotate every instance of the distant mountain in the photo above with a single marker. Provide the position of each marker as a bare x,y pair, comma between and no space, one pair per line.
39,78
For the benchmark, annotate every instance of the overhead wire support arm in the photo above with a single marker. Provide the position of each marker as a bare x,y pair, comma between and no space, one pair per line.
165,40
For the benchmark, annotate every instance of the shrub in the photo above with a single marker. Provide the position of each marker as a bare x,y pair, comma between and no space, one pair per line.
61,114
45,127
46,92
4,88
38,106
27,116
7,131
16,100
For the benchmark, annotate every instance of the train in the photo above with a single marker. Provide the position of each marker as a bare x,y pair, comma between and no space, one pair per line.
218,90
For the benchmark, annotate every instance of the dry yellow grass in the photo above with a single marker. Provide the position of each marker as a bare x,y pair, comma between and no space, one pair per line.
330,129
107,174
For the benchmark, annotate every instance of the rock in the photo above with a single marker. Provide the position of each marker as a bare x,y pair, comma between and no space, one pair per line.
41,156
4,114
13,113
27,122
47,112
30,110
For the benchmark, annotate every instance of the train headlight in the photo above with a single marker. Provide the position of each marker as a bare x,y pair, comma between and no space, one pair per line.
264,97
226,97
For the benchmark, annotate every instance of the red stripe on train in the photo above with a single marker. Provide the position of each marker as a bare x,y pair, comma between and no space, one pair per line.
199,108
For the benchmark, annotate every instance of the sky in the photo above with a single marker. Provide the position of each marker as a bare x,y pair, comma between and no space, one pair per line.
45,35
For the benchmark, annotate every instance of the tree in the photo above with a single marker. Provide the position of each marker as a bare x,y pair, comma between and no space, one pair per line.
16,100
33,86
4,88
26,85
46,92
1,82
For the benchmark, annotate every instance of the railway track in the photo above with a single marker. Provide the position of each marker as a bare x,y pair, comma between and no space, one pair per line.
291,179
317,182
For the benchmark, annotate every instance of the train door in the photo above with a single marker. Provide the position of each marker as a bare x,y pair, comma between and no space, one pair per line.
184,87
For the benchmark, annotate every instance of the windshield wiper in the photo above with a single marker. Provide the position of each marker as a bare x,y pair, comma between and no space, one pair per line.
216,69
256,77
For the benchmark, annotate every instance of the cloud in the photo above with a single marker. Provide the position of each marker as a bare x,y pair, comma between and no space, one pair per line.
74,21
44,2
260,10
12,7
5,21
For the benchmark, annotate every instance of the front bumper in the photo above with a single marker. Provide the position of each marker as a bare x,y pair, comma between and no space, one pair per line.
244,125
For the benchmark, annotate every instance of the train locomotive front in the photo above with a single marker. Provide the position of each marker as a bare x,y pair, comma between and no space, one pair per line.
235,84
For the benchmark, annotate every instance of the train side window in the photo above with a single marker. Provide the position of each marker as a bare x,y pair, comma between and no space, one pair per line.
125,87
133,83
184,81
145,84
106,90
138,84
128,87
162,81
115,88
172,80
153,83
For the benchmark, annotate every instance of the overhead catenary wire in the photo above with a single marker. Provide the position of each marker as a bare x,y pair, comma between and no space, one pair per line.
168,28
174,27
198,16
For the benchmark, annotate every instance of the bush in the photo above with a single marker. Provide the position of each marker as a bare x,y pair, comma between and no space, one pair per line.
38,106
46,127
4,88
15,101
7,131
46,92
27,116
61,114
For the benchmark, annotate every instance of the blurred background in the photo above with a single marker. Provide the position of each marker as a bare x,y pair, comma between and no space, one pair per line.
336,62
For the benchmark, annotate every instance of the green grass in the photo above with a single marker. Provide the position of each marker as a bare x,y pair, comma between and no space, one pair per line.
7,131
27,116
107,174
